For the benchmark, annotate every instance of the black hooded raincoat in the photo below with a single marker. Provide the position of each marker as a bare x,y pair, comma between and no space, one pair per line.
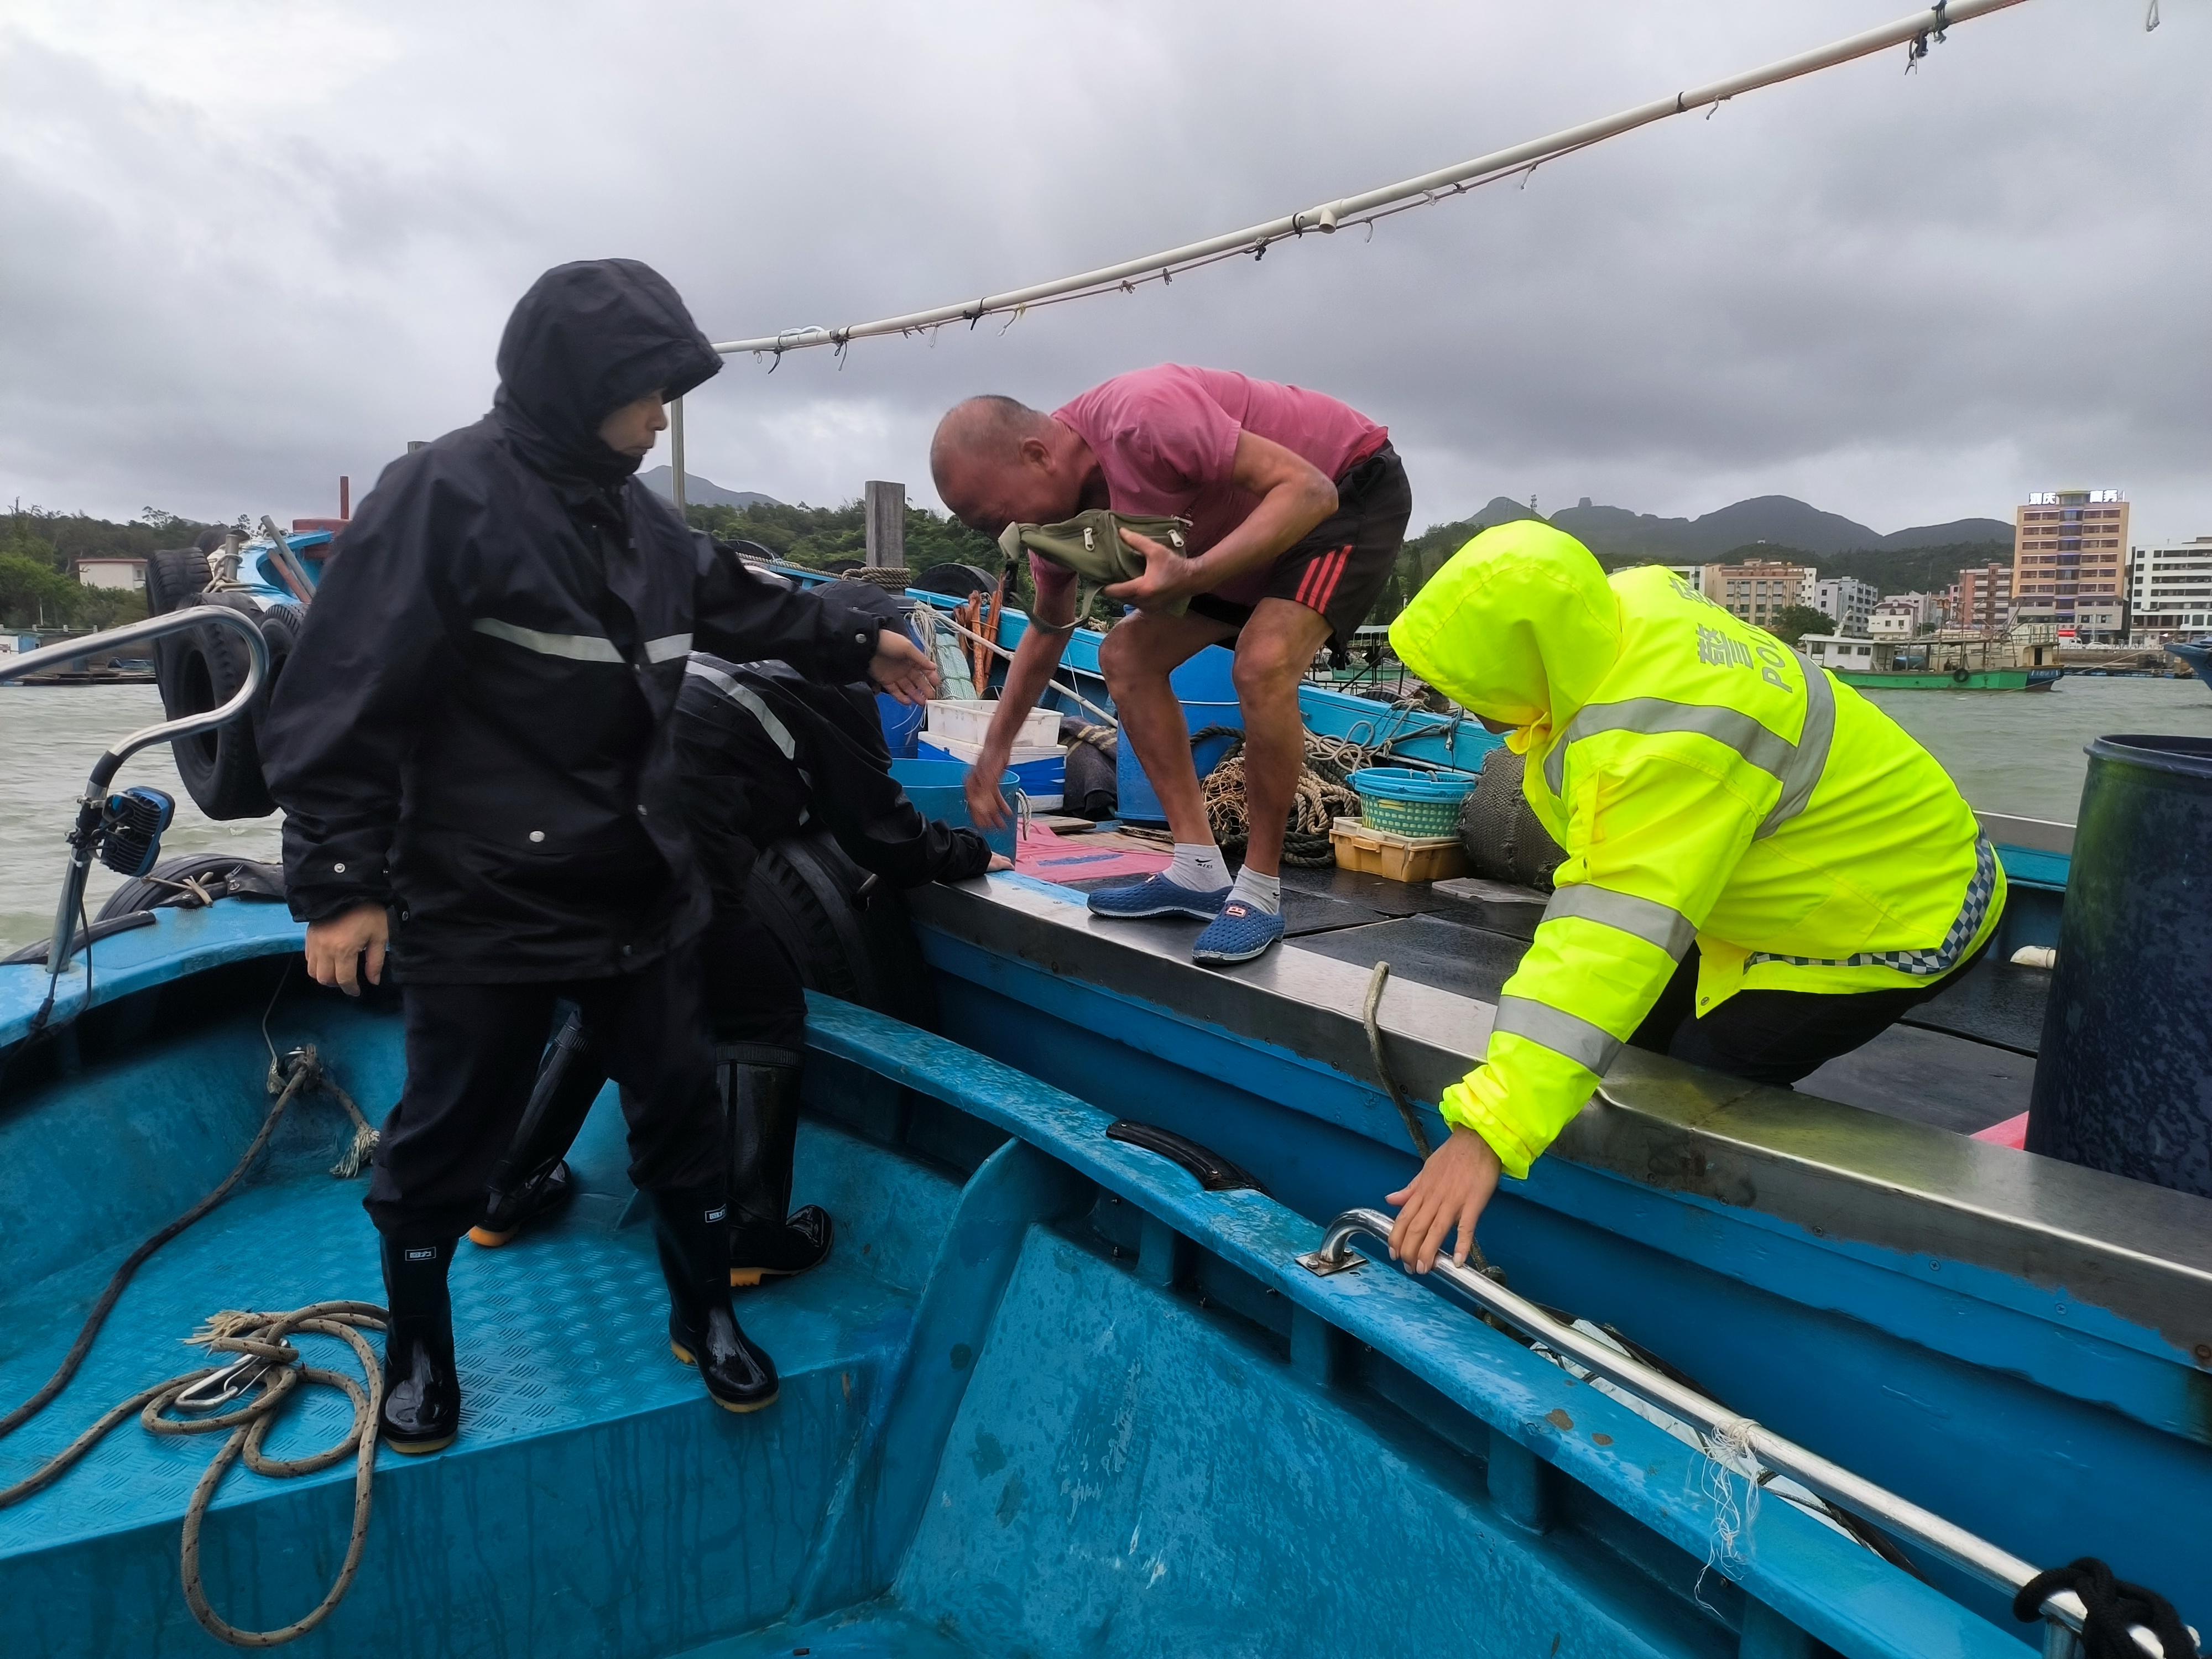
474,726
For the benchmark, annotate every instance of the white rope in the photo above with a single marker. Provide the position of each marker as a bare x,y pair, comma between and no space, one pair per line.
1912,31
1728,1453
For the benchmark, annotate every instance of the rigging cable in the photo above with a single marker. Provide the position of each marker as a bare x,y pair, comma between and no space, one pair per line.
1914,32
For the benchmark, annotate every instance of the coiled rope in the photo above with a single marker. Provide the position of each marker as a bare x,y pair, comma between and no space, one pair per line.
1319,797
253,1337
262,1337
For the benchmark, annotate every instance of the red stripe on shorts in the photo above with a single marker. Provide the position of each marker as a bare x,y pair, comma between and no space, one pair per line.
1306,579
1325,590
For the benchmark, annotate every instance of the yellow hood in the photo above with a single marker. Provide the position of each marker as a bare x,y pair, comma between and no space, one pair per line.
1520,627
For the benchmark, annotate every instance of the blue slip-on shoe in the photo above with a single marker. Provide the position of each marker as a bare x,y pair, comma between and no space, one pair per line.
1239,934
1156,896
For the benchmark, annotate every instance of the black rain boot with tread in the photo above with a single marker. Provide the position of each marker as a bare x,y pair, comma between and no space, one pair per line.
532,1183
543,1196
421,1408
760,1097
692,1231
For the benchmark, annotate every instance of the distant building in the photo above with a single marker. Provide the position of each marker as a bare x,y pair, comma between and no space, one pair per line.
1837,650
2169,591
1847,602
1759,590
111,572
2069,561
1980,601
1902,616
1695,574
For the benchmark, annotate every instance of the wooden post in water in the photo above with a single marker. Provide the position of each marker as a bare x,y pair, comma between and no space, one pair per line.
676,453
886,515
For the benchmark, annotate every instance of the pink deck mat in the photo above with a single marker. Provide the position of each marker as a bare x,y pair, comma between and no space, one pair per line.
2012,1133
1051,857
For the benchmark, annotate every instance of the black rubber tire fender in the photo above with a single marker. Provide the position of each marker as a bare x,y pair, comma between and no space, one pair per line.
174,574
197,670
1959,677
955,581
848,936
145,892
280,627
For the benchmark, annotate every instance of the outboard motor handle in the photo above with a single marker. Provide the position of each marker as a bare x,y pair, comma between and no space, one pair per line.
92,805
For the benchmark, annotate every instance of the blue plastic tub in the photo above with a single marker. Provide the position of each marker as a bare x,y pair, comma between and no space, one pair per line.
1044,781
1208,692
939,789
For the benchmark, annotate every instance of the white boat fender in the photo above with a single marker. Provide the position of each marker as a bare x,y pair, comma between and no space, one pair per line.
2036,956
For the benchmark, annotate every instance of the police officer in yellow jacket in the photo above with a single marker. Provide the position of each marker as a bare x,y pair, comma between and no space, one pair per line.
1763,871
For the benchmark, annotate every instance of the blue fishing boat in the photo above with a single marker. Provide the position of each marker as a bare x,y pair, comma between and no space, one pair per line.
1108,1360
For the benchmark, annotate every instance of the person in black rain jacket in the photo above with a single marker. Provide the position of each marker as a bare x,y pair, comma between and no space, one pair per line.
764,753
472,746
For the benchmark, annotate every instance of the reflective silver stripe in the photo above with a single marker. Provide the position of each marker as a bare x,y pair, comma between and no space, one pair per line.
578,647
1589,1046
1649,716
668,646
1646,919
749,700
1811,757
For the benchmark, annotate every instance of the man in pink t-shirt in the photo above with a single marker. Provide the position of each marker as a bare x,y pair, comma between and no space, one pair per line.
1297,506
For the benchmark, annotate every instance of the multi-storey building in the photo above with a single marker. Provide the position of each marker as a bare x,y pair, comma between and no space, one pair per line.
2069,561
2169,591
1902,616
1980,601
1847,602
1759,590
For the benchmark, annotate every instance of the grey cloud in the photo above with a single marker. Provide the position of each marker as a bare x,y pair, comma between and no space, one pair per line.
1904,299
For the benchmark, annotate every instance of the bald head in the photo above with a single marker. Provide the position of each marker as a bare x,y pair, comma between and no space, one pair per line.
996,461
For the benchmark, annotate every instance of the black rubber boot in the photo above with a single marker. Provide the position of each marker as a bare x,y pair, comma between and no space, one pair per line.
538,1199
692,1228
760,1096
532,1183
421,1409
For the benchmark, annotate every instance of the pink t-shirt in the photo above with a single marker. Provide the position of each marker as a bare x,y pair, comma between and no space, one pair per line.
1166,439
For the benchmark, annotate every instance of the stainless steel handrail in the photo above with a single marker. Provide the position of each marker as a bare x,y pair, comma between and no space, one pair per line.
1963,1549
89,804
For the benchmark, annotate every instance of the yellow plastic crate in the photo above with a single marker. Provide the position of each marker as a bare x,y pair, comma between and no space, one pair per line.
1372,852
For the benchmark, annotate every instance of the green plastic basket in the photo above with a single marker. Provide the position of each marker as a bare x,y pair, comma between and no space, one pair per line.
1405,802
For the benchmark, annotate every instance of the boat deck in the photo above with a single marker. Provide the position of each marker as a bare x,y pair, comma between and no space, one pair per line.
1966,1060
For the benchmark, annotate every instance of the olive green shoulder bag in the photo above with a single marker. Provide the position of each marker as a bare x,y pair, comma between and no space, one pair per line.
1091,546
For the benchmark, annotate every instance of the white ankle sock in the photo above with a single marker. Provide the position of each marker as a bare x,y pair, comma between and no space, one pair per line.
1261,892
1198,866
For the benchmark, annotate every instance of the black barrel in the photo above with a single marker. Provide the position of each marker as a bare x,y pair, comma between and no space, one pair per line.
2124,1079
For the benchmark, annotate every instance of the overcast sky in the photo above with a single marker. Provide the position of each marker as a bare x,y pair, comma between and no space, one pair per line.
250,246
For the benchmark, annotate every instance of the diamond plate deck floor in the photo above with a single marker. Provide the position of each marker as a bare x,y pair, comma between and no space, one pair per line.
561,1339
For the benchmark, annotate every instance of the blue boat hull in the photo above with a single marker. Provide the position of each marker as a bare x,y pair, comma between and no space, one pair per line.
1051,1397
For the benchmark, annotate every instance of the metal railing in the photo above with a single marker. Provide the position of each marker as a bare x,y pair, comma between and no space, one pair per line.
90,804
2063,1612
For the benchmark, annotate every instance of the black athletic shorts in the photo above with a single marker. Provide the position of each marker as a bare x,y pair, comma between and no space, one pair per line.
1340,567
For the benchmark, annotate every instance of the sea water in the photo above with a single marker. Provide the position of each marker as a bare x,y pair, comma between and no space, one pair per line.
2012,751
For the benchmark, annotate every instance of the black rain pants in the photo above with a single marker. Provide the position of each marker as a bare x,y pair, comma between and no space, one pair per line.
473,1053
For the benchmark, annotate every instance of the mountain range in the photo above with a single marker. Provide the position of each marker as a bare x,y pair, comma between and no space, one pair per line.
1787,522
701,492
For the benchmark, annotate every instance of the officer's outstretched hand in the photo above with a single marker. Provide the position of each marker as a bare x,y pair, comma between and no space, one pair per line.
1453,1186
336,945
901,668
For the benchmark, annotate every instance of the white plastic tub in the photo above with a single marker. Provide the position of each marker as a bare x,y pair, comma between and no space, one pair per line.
965,720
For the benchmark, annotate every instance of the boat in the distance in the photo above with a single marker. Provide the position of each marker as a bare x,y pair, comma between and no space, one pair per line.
1940,662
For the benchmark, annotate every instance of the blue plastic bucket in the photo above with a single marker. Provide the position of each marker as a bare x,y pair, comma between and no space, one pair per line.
939,788
900,722
1044,781
1205,688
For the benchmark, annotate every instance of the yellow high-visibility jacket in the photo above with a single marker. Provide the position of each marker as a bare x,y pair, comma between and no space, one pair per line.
1707,784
